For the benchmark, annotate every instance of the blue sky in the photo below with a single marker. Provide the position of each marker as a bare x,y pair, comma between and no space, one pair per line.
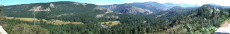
110,2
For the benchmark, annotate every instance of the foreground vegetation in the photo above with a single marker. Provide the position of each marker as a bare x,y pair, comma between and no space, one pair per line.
199,21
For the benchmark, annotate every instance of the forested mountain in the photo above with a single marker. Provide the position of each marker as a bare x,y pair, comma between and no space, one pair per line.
132,19
154,7
63,10
128,8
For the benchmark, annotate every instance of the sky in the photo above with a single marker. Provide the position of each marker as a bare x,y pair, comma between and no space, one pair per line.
110,2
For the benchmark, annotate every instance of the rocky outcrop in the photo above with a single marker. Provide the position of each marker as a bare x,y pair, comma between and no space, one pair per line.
57,10
208,11
99,8
101,15
128,8
39,8
52,5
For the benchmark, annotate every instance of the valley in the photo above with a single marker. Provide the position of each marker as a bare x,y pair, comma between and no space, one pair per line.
59,22
68,17
56,22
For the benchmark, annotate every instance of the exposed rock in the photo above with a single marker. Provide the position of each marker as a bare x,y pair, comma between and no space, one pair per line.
104,26
108,11
100,8
127,8
113,7
77,3
39,8
52,5
136,10
112,16
83,4
99,15
209,11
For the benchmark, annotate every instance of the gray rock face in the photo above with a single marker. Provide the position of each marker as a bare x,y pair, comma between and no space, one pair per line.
127,8
38,8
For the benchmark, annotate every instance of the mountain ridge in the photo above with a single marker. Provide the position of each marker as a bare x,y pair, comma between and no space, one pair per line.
153,7
57,10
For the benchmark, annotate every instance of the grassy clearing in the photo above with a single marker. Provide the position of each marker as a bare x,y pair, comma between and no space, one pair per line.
144,21
23,19
58,22
9,17
111,23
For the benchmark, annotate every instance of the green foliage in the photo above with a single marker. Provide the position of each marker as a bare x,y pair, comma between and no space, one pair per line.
28,29
2,19
207,30
73,13
201,20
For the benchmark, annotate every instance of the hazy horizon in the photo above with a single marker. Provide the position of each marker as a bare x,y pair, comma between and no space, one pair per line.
110,2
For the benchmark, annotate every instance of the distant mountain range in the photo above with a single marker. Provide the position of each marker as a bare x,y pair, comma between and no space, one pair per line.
133,8
69,7
142,18
150,7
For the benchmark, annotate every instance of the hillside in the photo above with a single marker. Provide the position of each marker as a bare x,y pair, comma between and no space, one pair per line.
148,7
128,8
203,20
116,19
63,10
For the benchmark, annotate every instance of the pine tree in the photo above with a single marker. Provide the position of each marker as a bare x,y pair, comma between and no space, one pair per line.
229,12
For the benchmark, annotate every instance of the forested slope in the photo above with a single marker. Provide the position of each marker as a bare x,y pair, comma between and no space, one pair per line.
204,19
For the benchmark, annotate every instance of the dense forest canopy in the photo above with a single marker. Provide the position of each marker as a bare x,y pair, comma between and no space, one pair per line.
203,20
